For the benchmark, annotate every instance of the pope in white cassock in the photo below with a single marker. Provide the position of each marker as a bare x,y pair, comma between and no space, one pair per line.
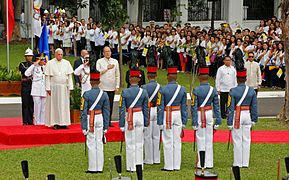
58,74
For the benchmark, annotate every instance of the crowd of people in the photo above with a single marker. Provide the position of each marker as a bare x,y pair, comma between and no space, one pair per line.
147,112
73,35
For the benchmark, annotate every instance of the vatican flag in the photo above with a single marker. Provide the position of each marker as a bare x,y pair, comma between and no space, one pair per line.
279,73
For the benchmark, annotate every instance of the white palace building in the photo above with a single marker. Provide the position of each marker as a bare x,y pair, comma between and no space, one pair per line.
238,13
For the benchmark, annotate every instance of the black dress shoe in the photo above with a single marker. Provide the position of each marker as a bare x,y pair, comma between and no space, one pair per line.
244,166
148,163
163,169
176,170
91,172
129,171
63,127
99,171
56,127
111,125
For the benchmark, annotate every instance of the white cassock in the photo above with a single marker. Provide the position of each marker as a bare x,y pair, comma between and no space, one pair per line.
84,73
38,92
58,76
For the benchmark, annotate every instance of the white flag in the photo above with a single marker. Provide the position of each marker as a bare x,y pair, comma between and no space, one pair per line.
37,17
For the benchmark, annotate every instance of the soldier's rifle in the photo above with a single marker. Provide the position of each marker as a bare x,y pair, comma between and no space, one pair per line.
229,139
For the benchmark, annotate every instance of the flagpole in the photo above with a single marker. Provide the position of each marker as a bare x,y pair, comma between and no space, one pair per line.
32,25
7,37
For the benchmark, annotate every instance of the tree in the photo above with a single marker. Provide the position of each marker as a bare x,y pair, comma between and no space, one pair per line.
284,113
113,15
139,16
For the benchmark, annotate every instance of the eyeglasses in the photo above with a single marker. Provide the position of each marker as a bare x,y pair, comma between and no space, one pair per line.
251,56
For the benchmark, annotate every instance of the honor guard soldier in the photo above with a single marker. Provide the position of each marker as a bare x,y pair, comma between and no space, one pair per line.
133,114
94,122
172,117
204,102
242,108
26,85
152,133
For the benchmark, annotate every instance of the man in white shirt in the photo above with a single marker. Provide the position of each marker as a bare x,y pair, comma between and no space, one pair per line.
98,39
109,76
225,80
83,34
254,78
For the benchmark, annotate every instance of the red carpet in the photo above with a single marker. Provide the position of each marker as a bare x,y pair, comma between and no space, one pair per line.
15,136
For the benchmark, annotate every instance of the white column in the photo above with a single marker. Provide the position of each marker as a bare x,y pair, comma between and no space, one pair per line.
235,12
83,13
184,10
132,11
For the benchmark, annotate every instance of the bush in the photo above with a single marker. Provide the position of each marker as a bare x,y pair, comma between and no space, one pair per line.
12,75
75,98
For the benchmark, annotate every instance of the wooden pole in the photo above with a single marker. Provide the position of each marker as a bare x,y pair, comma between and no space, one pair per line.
278,169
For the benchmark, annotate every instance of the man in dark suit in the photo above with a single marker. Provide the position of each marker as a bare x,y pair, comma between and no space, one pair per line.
77,63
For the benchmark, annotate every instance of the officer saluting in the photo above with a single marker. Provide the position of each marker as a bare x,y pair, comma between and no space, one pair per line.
152,133
26,84
242,109
172,117
94,122
38,91
134,102
203,98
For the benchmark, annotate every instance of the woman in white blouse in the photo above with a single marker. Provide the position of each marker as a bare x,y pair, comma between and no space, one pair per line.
66,38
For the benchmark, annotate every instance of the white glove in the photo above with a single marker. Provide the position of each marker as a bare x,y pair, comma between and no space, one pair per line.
161,127
85,132
230,127
105,131
253,123
183,126
216,126
122,129
195,128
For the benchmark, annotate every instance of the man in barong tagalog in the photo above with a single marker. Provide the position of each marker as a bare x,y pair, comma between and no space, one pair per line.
58,76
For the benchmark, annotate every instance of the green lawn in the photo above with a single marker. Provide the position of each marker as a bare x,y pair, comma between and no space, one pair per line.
17,56
67,161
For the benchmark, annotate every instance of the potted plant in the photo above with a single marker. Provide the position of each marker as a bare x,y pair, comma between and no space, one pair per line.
10,82
75,102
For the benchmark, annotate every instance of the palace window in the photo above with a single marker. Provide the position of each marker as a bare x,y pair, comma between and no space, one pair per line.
256,9
201,10
155,10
